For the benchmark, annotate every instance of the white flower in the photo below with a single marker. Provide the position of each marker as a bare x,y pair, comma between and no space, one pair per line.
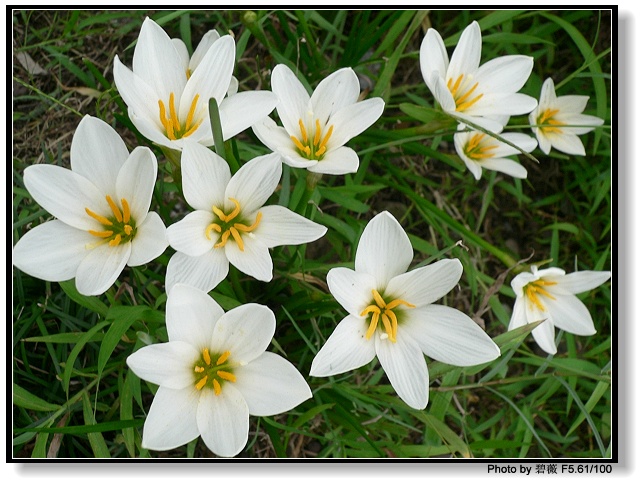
213,373
485,95
316,128
549,295
102,209
391,315
478,150
168,98
559,121
230,222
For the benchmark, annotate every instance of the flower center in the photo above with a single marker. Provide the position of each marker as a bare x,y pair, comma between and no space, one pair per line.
119,228
462,92
214,373
478,147
229,225
172,125
312,148
380,309
547,123
536,288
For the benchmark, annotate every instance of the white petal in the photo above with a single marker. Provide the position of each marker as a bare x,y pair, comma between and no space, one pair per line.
449,336
467,54
442,94
353,290
353,119
246,331
101,267
51,251
526,142
488,123
65,194
191,316
494,104
573,104
170,364
426,284
433,57
518,317
567,143
342,160
346,349
254,260
280,226
254,183
171,421
588,123
582,281
244,109
188,235
97,153
203,272
157,62
507,166
203,46
333,93
570,314
278,140
223,421
544,335
271,385
205,176
521,280
181,49
384,250
150,241
543,140
139,96
505,74
136,182
547,96
150,129
293,98
405,367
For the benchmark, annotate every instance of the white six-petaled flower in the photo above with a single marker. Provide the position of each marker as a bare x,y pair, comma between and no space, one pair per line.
169,102
391,315
479,150
557,121
549,295
213,374
230,223
102,210
315,128
486,95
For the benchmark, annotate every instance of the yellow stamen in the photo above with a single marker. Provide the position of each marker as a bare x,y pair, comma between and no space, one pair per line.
237,238
298,143
397,303
163,118
219,213
126,211
235,212
535,288
114,209
325,139
228,376
461,99
453,88
172,113
128,229
99,218
245,228
217,387
461,102
224,238
317,133
206,356
115,241
210,228
304,133
548,124
384,311
222,358
475,150
386,324
199,369
201,383
373,324
103,234
378,299
190,114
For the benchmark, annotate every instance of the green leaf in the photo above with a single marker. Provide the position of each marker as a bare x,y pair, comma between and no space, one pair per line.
69,364
448,436
23,398
90,302
96,440
94,428
64,338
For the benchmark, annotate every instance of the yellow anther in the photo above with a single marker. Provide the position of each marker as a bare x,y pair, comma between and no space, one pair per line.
399,302
224,238
201,383
250,228
235,212
190,114
126,211
453,88
237,238
378,299
317,133
219,213
188,73
373,324
547,123
206,356
104,234
114,209
384,311
304,133
461,102
462,99
217,387
228,376
535,288
467,105
163,118
173,117
210,228
476,150
370,309
99,218
298,143
199,369
115,241
325,139
172,124
128,229
222,358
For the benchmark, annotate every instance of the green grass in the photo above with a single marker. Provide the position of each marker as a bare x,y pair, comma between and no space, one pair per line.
74,396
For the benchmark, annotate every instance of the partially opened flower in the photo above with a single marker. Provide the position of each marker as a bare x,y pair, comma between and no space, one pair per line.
213,374
558,121
168,100
102,209
485,95
230,223
391,315
550,295
315,128
479,150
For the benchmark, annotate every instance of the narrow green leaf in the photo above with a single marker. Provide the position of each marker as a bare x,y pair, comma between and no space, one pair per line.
23,398
69,364
95,428
96,440
90,302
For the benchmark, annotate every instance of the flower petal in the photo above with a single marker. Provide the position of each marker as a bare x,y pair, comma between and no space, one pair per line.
97,153
223,421
433,57
65,194
449,336
572,104
577,282
346,349
150,241
507,166
293,98
567,143
467,54
278,140
254,183
246,331
353,290
136,181
51,251
101,267
171,421
271,385
280,226
405,367
526,142
254,260
334,93
547,98
188,235
494,104
353,119
170,364
426,284
583,124
342,160
203,46
139,96
544,335
384,250
504,75
203,272
443,96
181,49
570,314
205,176
191,316
244,109
518,317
